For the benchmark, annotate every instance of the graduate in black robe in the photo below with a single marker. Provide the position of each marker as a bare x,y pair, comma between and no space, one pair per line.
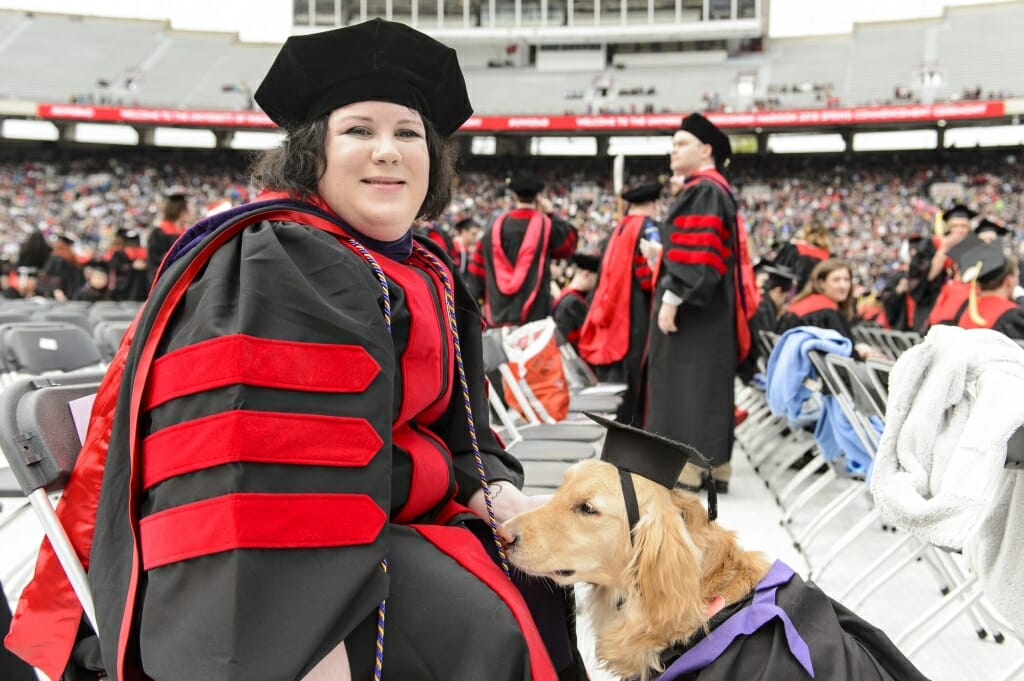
992,278
695,345
301,425
614,336
570,308
61,276
510,269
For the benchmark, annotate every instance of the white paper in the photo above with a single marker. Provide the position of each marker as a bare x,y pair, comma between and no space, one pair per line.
80,410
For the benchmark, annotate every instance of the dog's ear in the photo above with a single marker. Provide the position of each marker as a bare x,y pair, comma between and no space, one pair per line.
666,571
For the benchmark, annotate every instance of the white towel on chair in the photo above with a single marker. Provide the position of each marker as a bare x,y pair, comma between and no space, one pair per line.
954,402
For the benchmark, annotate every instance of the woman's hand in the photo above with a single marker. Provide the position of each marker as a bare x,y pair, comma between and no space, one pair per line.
507,500
870,352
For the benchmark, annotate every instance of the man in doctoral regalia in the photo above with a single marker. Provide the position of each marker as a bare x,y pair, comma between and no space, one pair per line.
510,270
704,299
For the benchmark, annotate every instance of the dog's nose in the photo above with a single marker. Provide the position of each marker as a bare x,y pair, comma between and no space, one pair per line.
508,535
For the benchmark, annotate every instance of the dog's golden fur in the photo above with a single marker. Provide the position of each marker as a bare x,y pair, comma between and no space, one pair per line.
648,594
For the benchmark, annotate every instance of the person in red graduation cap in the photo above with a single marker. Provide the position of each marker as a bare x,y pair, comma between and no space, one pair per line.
613,338
299,455
510,269
705,296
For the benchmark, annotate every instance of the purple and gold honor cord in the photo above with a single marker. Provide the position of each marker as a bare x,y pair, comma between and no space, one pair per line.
449,299
378,662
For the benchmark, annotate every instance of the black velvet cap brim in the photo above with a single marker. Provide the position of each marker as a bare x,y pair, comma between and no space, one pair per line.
526,185
959,211
656,458
642,194
706,132
374,61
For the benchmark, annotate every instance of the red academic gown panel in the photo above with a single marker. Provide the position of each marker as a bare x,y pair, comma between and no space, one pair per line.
623,294
815,310
1000,314
271,444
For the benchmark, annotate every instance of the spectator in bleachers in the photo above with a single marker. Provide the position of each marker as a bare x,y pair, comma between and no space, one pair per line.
61,275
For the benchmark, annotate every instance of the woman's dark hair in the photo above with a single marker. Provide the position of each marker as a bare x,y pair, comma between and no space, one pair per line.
174,208
297,165
33,251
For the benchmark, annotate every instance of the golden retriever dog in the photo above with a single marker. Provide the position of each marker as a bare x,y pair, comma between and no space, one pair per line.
650,592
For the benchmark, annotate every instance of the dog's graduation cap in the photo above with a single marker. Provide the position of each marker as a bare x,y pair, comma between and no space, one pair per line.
644,193
652,456
373,61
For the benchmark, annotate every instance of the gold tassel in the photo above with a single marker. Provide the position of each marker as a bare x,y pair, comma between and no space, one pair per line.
972,297
940,225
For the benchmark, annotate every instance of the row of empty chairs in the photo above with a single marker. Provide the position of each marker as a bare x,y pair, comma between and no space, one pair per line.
830,498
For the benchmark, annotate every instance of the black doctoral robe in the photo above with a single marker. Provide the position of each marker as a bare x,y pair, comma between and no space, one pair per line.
273,441
510,269
690,373
614,335
569,311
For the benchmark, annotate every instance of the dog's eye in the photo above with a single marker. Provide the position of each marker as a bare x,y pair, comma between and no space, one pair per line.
585,508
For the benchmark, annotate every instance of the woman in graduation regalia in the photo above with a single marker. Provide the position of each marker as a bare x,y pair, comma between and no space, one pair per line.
827,303
301,430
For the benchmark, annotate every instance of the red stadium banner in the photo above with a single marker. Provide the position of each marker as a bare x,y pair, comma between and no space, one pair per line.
910,113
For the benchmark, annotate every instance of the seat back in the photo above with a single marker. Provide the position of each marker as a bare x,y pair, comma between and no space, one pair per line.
40,441
39,347
107,337
37,431
66,313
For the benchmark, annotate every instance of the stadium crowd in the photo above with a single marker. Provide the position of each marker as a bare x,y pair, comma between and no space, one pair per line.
868,205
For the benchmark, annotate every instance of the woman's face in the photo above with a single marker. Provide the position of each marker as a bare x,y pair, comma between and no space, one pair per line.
836,286
377,167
